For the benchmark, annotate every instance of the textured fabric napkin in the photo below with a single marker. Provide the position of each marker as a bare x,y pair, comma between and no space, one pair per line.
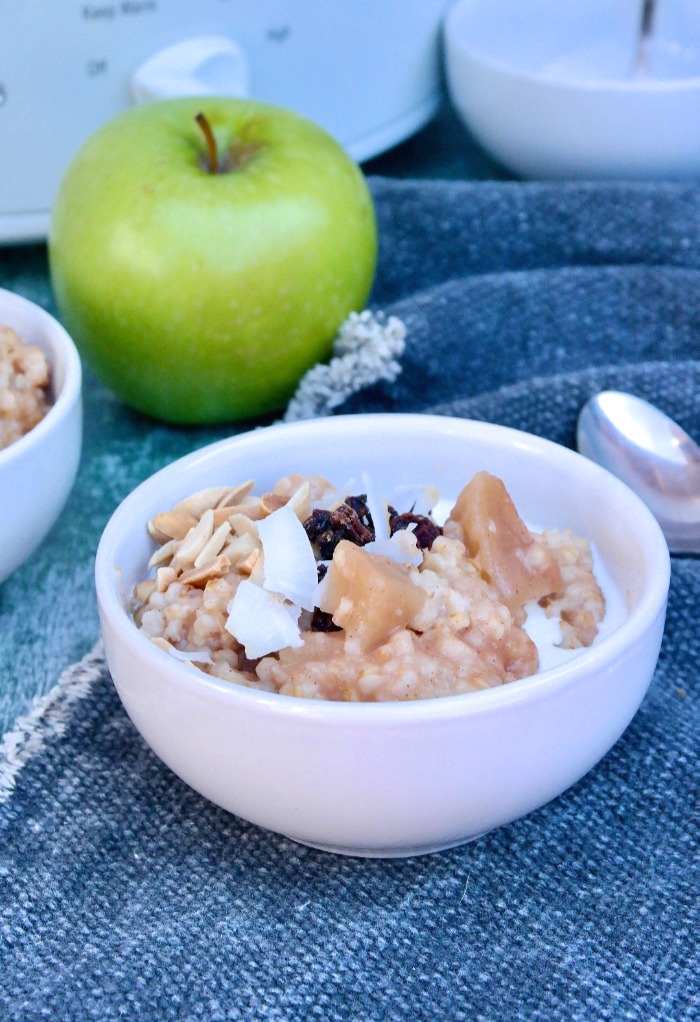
126,895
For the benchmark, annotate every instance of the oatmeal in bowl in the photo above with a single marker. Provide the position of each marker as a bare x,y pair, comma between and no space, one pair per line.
381,634
25,385
40,425
311,591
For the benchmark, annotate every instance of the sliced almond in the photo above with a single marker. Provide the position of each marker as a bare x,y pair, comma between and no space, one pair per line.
164,553
164,578
247,565
213,547
195,541
156,534
221,515
288,485
236,494
243,525
171,524
300,501
240,547
200,576
203,500
250,507
272,502
252,511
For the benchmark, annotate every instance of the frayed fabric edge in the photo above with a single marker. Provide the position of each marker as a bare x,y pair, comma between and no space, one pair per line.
48,717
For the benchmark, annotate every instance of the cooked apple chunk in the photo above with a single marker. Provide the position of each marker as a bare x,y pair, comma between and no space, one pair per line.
518,564
369,595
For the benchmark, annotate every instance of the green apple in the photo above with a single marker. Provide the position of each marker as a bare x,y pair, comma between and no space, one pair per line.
204,263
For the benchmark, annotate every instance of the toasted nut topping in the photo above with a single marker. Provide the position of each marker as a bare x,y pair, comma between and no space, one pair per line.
247,565
300,501
221,515
272,502
171,525
164,576
200,576
243,525
164,553
236,494
239,547
195,540
203,500
250,507
213,547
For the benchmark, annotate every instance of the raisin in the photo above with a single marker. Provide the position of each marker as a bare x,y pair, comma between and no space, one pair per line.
359,505
426,530
327,528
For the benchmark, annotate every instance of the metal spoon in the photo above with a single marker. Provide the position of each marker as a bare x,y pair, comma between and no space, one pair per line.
641,66
653,455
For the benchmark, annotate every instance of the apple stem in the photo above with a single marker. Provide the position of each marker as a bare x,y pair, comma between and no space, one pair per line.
212,154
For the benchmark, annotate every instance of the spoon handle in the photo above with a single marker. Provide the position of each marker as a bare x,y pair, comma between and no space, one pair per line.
646,28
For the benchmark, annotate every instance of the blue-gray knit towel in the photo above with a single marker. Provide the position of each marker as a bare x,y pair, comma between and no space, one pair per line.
123,894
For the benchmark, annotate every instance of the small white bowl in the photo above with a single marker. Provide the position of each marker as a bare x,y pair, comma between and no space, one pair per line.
550,89
37,471
393,779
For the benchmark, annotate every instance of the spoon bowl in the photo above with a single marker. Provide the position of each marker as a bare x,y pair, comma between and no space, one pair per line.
650,452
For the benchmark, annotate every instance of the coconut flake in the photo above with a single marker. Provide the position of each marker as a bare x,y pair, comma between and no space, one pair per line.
195,656
377,507
402,547
421,499
189,656
261,621
289,562
335,496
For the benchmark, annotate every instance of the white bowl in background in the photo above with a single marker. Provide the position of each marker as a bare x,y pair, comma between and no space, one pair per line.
550,90
37,471
392,779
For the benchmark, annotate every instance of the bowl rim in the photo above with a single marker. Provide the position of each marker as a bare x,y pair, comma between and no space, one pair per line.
651,604
63,351
454,38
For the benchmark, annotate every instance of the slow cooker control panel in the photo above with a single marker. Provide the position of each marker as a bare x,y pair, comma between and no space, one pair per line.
71,66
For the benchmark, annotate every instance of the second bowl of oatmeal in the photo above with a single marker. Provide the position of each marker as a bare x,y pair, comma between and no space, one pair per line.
40,425
418,695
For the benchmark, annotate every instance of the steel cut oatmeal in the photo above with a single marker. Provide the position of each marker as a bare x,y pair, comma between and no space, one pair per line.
310,591
24,386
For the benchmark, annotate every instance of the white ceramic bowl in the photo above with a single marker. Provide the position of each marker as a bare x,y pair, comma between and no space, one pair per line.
393,779
37,471
549,88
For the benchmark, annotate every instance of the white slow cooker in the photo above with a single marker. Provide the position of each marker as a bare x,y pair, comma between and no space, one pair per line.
367,70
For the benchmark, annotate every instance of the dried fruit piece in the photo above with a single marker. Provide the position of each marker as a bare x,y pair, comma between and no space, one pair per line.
326,529
426,530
